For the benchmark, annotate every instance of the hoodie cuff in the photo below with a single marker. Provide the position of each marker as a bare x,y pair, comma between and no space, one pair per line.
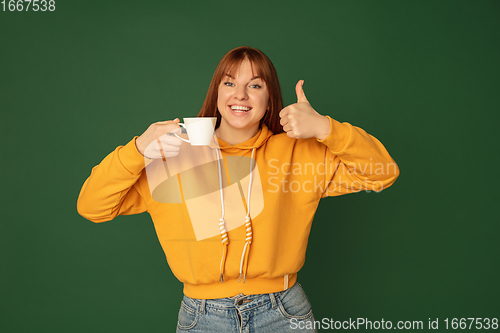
131,159
339,136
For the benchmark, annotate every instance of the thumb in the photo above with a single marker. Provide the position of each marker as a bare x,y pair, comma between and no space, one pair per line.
301,97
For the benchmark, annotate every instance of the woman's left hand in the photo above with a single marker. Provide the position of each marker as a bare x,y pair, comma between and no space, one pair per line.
301,121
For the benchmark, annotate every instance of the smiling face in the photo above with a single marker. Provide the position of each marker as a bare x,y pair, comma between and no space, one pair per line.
242,102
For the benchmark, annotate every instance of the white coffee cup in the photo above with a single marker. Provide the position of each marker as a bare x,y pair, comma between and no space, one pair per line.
200,130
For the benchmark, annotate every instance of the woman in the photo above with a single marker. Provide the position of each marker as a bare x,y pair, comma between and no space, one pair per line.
297,156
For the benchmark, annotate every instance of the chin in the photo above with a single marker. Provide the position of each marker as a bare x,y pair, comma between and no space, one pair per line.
241,125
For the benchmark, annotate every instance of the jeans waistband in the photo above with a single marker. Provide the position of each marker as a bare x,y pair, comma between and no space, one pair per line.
240,302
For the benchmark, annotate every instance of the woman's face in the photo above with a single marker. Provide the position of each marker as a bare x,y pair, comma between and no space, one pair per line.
242,101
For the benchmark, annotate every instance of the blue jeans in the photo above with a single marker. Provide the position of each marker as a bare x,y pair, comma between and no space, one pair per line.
284,311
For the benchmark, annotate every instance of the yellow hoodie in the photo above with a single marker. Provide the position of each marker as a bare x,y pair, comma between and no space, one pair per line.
290,176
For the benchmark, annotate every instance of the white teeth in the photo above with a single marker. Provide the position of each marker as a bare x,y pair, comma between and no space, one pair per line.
241,108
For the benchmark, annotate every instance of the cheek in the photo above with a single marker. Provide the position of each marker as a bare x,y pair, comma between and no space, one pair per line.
223,94
264,100
220,99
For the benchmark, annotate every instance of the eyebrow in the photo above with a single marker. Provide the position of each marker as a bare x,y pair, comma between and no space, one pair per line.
255,77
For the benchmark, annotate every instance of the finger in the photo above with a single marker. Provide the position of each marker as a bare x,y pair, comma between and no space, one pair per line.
284,116
299,90
170,143
170,138
284,112
176,120
166,150
287,128
169,148
284,121
288,119
171,153
171,128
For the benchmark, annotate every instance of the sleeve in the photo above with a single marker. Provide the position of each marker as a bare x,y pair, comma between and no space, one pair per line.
355,161
110,190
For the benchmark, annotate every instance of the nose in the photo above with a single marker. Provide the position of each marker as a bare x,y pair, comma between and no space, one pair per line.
241,92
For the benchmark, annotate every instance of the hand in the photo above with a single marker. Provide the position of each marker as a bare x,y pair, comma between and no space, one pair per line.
156,139
301,121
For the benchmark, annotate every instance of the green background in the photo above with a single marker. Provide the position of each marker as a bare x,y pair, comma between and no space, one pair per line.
421,76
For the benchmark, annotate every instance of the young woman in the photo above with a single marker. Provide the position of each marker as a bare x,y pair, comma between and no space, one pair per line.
244,279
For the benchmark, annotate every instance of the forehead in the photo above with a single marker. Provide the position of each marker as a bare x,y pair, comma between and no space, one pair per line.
244,68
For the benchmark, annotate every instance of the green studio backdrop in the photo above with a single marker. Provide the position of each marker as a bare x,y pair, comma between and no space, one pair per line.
421,76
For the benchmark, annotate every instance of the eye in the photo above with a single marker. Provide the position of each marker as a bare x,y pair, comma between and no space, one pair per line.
255,86
229,84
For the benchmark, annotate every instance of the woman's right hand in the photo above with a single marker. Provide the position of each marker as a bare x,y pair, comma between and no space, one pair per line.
147,144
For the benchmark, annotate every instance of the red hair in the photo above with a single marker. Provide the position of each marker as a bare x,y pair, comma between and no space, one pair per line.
265,70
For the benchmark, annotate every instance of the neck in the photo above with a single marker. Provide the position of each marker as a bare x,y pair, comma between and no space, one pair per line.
233,136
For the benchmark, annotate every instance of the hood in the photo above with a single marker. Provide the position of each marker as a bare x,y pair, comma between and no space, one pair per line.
255,142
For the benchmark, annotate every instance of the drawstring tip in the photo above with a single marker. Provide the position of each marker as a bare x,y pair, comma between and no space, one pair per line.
239,280
221,279
244,276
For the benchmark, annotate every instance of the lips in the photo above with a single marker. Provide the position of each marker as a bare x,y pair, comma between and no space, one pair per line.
239,109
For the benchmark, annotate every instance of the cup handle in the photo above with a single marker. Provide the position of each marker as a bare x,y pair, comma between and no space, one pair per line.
181,124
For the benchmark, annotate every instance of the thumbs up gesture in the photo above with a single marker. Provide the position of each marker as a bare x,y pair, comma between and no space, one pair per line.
301,121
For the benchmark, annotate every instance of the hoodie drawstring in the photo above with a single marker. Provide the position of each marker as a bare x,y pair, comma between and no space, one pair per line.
222,223
248,224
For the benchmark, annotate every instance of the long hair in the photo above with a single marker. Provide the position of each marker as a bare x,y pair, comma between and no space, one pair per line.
265,70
